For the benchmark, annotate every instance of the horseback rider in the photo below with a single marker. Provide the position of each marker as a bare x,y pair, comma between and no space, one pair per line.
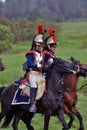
50,48
39,57
34,59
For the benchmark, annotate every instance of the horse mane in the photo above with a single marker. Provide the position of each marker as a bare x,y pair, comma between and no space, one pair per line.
64,66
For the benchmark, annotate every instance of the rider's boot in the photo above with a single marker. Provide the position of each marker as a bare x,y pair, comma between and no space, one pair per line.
32,100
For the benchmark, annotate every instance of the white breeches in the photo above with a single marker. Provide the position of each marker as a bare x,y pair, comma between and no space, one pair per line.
34,78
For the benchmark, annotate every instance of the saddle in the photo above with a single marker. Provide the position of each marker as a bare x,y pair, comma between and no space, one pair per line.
22,94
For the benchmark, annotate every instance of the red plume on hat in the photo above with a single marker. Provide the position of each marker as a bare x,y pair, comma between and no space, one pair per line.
54,38
51,32
40,29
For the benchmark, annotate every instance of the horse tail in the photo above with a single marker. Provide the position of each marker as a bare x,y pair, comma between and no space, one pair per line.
7,119
1,89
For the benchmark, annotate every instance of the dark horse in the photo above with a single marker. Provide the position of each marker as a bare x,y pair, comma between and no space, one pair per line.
68,88
52,100
1,65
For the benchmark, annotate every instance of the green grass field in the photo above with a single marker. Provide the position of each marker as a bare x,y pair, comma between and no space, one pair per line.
72,41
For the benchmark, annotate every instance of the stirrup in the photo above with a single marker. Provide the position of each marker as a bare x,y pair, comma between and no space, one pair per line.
32,108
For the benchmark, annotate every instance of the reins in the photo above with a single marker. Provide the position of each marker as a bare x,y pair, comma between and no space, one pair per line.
82,86
82,68
73,90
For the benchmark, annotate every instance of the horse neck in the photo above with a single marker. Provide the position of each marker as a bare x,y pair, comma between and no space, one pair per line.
53,85
71,81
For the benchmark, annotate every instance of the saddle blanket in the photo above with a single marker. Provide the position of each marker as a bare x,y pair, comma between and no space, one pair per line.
20,98
22,95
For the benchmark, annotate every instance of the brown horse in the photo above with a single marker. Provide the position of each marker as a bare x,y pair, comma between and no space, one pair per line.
69,83
2,67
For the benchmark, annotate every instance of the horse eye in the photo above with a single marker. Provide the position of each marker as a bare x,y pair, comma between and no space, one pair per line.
80,65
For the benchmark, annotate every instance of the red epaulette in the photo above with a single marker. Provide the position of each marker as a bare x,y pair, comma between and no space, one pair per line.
31,52
45,53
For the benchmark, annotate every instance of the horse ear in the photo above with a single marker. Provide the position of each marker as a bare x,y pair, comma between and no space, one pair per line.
72,59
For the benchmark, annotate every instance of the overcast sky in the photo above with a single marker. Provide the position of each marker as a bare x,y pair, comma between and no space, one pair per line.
3,0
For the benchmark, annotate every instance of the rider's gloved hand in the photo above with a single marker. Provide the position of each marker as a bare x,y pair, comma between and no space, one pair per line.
39,65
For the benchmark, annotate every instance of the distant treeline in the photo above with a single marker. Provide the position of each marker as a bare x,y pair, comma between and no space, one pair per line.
52,10
20,30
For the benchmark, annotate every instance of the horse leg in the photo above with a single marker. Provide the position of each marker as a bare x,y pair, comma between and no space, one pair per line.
7,119
46,121
71,116
2,114
26,118
60,115
17,117
77,114
4,109
15,123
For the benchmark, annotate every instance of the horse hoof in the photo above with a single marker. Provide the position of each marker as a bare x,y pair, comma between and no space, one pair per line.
81,129
65,129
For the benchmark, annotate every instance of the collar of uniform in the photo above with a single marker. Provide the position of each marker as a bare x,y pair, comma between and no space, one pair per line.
38,51
51,52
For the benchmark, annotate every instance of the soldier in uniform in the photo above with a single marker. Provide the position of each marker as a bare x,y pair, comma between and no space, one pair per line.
50,48
34,64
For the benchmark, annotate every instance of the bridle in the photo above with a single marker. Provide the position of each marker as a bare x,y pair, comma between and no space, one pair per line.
65,88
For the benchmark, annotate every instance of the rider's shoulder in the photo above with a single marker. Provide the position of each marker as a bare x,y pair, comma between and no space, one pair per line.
45,52
30,52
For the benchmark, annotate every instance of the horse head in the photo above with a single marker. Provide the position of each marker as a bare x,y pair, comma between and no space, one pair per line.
2,67
63,66
82,67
